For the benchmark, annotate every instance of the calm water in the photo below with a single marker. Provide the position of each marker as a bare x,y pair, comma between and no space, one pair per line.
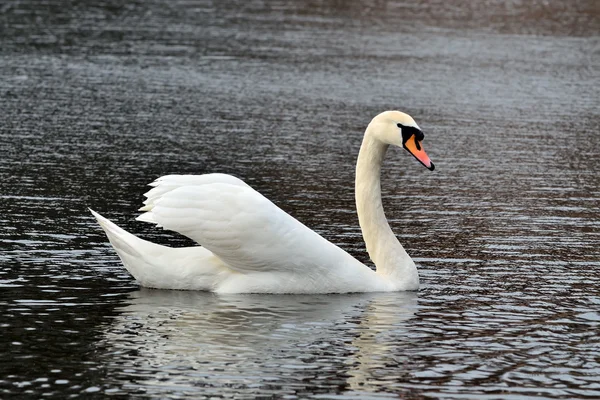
99,99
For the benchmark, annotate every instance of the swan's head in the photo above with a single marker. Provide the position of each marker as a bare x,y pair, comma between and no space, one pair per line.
399,129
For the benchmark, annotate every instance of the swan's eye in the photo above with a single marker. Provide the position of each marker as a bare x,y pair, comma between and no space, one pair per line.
408,131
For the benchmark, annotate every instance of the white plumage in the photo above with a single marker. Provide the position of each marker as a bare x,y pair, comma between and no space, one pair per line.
249,245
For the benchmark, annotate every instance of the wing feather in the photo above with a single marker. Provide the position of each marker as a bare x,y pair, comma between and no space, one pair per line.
167,183
239,225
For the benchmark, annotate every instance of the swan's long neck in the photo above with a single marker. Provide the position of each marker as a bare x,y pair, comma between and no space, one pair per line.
385,251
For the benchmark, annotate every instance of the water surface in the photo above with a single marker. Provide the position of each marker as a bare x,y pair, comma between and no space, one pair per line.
99,99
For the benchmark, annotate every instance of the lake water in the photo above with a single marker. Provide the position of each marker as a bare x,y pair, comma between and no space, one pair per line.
98,99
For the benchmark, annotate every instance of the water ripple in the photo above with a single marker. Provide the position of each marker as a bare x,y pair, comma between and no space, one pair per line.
99,99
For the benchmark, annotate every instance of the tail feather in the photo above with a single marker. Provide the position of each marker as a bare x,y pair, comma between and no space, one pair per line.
162,267
122,241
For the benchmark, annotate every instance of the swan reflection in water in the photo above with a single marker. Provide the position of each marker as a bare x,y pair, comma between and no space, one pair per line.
236,343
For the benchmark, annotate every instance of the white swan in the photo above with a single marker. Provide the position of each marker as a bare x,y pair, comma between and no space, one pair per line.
249,245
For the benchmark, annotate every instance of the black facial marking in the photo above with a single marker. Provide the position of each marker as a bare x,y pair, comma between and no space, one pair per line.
408,131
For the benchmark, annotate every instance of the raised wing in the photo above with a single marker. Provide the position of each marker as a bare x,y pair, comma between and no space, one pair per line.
239,225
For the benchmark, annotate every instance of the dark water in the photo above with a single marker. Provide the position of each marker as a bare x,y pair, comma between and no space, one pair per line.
99,98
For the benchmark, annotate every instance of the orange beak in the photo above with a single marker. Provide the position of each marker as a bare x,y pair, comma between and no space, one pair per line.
414,147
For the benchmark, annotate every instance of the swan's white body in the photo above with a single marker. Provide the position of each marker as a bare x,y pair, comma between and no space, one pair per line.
249,245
